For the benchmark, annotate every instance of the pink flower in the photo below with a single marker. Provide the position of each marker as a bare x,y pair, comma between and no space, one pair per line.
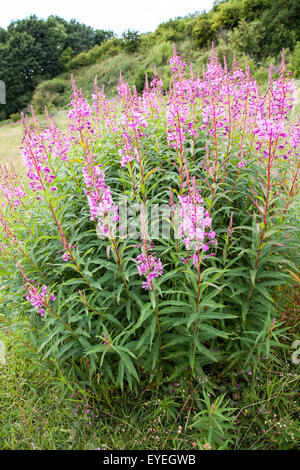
80,110
99,198
65,256
149,266
176,63
37,298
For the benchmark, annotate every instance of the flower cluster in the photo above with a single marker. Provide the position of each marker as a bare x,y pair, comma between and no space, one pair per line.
80,112
13,194
177,65
99,198
210,124
195,229
59,145
38,298
36,160
149,266
178,124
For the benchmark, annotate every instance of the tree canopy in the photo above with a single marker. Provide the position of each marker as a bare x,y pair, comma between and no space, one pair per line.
32,49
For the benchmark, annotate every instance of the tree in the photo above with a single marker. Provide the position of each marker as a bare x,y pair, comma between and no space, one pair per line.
49,35
202,32
66,56
247,38
80,37
20,67
101,35
3,35
227,15
281,23
131,40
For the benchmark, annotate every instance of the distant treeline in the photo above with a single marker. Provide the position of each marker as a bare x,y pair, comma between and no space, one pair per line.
32,50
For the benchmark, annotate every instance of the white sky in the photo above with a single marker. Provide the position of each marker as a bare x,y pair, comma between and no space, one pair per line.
117,15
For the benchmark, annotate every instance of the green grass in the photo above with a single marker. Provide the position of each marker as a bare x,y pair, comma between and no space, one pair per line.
38,410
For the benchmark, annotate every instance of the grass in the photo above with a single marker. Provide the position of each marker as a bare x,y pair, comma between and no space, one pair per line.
296,111
39,411
10,142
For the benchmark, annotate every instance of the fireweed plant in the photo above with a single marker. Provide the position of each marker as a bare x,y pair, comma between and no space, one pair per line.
150,241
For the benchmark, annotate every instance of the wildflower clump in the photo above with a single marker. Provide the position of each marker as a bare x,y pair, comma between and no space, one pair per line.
152,237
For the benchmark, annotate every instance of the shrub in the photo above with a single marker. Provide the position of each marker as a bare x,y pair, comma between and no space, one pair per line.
202,32
15,117
152,241
106,49
131,40
80,60
48,93
140,78
294,62
162,52
66,56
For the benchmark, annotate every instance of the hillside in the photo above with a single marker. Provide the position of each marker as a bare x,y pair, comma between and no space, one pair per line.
56,93
39,71
11,133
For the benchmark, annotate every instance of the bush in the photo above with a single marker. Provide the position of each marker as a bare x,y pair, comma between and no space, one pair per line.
80,60
107,49
66,56
48,93
162,52
294,62
131,40
202,32
140,78
15,117
153,242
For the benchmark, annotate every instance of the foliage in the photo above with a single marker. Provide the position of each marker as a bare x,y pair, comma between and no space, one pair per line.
66,56
202,31
40,410
107,49
294,61
131,40
15,117
122,310
281,24
48,93
140,78
161,53
33,48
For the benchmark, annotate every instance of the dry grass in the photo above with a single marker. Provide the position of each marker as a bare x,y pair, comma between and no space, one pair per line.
10,142
296,112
